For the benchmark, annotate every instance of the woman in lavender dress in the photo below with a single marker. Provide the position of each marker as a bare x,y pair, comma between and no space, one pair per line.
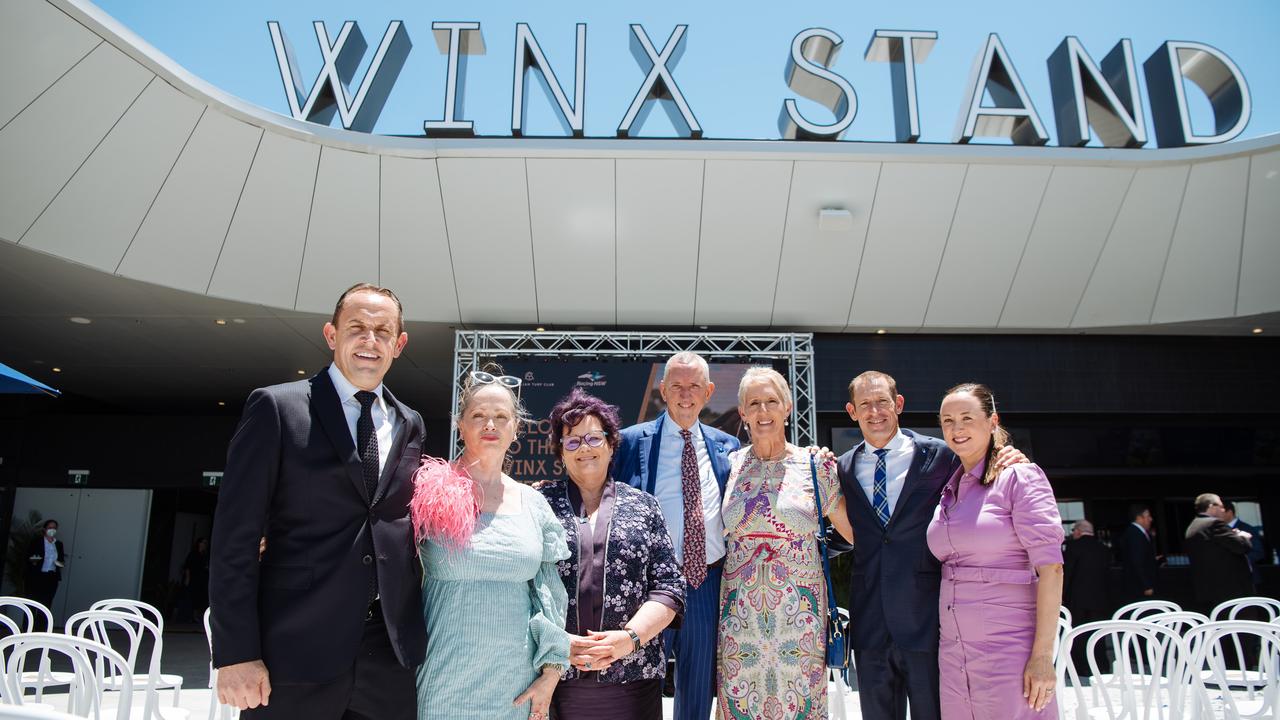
623,581
999,537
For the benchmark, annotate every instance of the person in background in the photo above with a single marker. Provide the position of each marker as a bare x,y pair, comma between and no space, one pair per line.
1138,556
999,538
1084,583
195,578
1256,552
1218,554
622,577
45,559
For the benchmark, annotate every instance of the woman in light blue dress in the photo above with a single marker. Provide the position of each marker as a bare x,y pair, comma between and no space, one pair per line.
492,597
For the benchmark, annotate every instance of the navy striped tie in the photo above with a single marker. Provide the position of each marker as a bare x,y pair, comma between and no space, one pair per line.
880,489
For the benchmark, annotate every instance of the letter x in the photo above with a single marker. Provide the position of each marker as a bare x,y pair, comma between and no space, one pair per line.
659,84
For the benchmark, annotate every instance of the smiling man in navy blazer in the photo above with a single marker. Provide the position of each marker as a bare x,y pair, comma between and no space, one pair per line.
328,625
678,459
891,483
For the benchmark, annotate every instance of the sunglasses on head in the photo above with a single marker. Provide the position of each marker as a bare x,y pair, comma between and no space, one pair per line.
573,442
511,382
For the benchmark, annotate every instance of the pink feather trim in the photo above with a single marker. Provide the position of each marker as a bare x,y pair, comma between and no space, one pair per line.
445,504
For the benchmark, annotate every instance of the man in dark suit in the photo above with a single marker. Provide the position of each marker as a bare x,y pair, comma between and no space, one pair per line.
891,483
1219,568
1084,584
328,625
1138,556
673,458
45,560
1256,552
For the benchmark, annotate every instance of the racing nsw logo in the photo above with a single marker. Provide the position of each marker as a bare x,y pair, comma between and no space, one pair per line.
591,379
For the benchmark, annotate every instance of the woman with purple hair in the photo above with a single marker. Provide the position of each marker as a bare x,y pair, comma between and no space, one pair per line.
622,578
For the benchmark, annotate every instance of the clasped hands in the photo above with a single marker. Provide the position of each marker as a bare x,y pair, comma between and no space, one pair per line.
596,651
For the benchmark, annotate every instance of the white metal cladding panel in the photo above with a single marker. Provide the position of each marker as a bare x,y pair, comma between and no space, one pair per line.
38,43
915,204
41,148
1202,274
1071,227
262,256
818,266
1122,289
179,241
486,209
659,211
744,206
996,210
1260,264
342,237
95,217
571,219
415,249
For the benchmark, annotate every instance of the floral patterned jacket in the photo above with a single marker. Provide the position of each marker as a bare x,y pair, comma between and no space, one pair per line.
639,565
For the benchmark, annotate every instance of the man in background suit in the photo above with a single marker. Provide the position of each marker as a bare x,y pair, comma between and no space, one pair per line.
1138,556
45,559
1084,584
1256,552
891,482
328,625
1219,568
675,458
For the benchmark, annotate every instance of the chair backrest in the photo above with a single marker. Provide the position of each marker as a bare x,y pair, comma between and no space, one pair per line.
92,665
1064,627
1268,609
130,630
29,609
1250,688
9,624
1135,610
1064,612
1180,622
137,607
1151,676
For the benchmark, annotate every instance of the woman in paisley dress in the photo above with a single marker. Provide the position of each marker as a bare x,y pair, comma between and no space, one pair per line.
773,601
622,578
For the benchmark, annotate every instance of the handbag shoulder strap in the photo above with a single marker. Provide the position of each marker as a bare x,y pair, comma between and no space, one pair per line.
823,529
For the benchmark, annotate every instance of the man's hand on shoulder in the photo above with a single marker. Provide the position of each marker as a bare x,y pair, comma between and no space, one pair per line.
1008,456
244,685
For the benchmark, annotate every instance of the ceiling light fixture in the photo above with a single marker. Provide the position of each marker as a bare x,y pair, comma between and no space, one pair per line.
1257,331
541,329
219,321
222,403
881,331
302,372
80,320
238,321
58,370
835,219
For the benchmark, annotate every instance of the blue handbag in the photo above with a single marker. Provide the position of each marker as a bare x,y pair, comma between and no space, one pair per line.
837,650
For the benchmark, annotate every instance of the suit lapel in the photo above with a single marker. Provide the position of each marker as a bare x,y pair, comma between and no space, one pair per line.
397,447
649,455
919,460
853,471
327,407
719,459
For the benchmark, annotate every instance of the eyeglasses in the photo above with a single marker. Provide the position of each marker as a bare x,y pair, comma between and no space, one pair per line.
511,382
573,442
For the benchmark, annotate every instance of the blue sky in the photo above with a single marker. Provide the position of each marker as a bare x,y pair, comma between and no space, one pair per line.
735,55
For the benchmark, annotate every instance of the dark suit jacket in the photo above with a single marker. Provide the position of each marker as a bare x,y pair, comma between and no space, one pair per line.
896,578
1084,583
293,475
1219,570
1256,552
636,460
1138,558
36,547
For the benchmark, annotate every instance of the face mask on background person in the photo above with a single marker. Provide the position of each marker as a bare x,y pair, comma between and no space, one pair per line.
50,532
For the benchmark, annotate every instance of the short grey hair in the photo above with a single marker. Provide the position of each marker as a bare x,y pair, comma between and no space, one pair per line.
1083,526
764,373
688,358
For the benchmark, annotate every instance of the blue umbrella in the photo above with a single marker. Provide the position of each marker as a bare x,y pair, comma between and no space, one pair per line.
15,383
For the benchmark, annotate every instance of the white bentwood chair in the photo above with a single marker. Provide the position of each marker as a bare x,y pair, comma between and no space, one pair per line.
126,630
164,681
1252,691
217,711
1231,609
28,610
94,667
1150,679
1135,610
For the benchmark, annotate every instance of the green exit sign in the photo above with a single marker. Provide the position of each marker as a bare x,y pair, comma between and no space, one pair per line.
210,479
78,478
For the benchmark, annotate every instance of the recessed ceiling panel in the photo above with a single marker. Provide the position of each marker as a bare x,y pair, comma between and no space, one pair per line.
342,237
95,217
415,249
38,43
179,241
1260,265
659,212
820,258
572,223
262,256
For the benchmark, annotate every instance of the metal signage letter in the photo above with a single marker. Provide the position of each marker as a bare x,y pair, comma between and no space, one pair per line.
1106,99
529,56
813,52
341,58
1013,115
658,83
902,49
1214,73
457,40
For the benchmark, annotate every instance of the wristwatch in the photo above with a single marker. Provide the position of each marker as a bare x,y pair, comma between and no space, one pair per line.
635,639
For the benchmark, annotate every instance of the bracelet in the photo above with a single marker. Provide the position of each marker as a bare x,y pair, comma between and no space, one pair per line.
635,639
552,666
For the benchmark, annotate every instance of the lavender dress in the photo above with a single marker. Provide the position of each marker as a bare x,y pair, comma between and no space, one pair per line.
990,539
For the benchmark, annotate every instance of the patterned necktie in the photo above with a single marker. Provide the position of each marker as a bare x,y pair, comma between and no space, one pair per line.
880,489
367,442
695,529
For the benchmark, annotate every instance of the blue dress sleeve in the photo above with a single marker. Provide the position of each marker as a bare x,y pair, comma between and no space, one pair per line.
550,601
1035,515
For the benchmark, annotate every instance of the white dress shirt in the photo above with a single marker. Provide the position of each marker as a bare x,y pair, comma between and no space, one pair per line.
1145,534
384,415
669,489
50,555
897,462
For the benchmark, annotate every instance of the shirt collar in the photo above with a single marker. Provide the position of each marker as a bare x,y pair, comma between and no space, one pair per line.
346,391
896,443
671,429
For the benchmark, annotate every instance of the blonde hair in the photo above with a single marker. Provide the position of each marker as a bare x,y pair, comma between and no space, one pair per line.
764,373
470,388
999,436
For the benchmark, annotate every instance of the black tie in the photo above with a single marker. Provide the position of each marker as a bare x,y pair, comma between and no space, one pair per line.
367,442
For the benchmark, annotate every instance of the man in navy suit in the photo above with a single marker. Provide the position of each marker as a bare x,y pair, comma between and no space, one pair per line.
891,483
685,464
1138,555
